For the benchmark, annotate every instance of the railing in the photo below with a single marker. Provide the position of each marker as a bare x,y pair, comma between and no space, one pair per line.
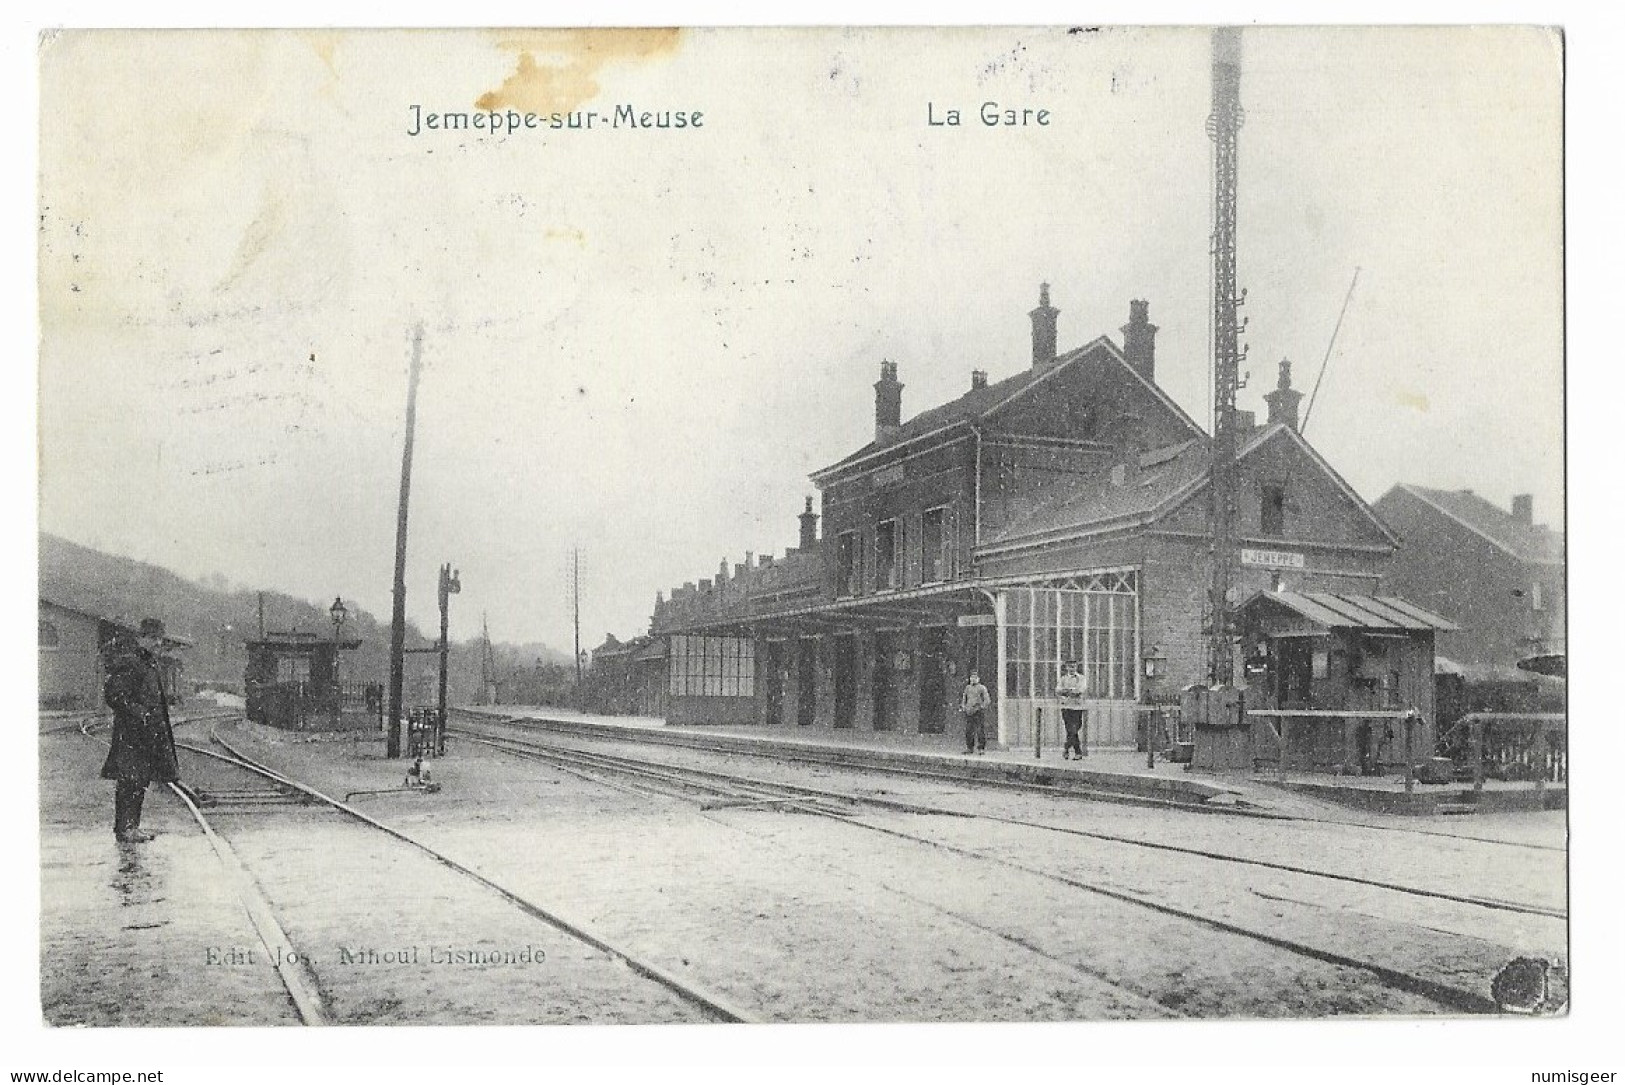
1407,721
1518,746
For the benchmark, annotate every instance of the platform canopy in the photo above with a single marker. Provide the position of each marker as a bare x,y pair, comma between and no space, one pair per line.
1347,610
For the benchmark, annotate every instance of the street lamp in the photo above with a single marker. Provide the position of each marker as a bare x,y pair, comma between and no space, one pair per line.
338,612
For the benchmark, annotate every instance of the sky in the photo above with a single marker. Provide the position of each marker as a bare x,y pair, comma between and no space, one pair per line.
639,343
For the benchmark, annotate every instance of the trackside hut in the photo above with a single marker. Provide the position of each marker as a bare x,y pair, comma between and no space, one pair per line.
1060,513
1340,654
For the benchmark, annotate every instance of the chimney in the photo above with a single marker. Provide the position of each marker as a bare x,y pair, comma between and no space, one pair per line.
1043,328
1246,422
1523,508
978,379
1140,340
888,402
1284,400
809,527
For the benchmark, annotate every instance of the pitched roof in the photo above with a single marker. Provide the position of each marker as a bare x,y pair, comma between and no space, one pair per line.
1168,477
1165,473
978,403
1527,542
1350,610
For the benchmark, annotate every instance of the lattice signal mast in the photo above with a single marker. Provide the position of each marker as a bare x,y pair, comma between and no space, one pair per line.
1224,128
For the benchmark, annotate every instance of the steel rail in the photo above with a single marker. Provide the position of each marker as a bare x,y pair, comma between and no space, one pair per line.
711,1003
1451,997
302,990
1481,902
537,724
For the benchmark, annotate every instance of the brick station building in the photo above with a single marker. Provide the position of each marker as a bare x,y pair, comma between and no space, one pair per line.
1058,513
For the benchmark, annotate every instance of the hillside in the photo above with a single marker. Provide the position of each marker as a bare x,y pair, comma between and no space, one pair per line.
217,619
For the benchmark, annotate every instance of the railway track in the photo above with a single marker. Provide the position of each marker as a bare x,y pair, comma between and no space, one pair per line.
270,788
851,800
714,789
1049,789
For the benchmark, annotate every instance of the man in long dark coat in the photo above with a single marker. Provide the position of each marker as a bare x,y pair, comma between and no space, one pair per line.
143,742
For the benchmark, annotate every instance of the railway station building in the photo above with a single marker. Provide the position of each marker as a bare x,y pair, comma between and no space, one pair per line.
1058,513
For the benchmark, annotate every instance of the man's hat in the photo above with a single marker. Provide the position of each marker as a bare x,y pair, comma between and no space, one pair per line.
152,627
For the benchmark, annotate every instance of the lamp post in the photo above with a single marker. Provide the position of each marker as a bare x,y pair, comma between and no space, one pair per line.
338,612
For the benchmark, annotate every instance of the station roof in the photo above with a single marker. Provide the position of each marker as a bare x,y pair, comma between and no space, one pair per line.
1348,610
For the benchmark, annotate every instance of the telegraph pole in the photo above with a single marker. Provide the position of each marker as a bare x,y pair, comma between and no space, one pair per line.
450,584
397,627
1224,128
575,594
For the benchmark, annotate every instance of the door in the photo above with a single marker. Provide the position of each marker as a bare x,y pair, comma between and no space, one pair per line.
846,681
885,697
773,682
1294,668
933,657
806,683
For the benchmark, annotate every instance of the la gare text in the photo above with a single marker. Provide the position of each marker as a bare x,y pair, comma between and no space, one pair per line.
502,122
990,115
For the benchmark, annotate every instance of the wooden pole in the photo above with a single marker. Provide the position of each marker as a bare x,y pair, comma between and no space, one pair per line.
1410,768
397,625
1476,729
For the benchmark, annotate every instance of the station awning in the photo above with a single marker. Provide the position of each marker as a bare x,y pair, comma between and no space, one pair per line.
1347,610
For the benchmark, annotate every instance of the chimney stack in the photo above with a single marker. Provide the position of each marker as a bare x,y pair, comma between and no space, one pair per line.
1284,400
1523,508
978,379
1043,328
888,401
809,527
1140,340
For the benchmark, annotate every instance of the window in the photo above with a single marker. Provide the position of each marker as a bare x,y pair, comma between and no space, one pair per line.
1046,627
712,667
1534,600
1272,511
886,550
51,637
846,560
934,542
293,669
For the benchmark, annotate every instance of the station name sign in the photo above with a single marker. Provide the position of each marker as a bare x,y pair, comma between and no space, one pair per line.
1272,559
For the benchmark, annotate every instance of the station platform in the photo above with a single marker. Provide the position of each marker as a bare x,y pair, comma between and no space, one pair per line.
1116,770
138,934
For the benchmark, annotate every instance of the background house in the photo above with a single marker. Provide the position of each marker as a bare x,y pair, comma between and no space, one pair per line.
1494,572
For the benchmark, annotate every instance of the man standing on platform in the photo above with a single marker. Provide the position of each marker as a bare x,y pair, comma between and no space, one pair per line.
973,703
1070,690
143,742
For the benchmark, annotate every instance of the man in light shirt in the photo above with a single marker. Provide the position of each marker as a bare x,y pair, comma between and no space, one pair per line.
1070,690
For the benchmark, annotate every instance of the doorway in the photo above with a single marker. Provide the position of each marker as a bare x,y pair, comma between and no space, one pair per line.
806,683
1294,669
773,682
933,657
846,681
885,694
